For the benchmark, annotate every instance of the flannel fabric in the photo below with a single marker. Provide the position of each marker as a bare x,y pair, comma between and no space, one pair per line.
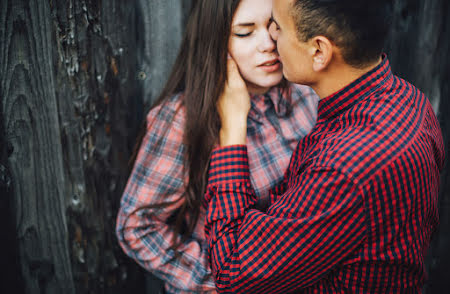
356,210
275,125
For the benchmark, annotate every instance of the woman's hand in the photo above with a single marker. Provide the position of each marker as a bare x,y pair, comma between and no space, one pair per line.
233,107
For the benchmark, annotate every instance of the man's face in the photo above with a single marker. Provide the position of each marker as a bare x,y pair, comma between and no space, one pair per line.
297,64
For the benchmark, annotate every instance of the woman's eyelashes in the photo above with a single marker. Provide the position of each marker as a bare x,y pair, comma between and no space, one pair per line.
242,35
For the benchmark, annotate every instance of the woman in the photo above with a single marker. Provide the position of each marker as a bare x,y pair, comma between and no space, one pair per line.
160,222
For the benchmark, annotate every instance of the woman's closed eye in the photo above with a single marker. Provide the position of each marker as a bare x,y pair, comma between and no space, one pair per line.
242,35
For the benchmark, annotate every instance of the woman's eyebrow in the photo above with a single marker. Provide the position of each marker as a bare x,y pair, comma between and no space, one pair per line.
245,24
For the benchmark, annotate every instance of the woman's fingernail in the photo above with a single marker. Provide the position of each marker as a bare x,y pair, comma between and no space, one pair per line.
228,56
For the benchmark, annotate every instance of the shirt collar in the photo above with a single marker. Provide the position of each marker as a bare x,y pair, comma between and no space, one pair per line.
275,97
356,91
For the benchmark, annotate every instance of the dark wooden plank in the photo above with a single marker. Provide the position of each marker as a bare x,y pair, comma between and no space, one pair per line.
416,41
10,275
159,31
30,117
95,71
67,86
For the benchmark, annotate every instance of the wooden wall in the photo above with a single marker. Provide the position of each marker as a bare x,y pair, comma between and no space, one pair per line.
74,76
67,82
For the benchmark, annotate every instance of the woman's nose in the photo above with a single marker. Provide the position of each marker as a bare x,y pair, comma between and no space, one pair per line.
267,44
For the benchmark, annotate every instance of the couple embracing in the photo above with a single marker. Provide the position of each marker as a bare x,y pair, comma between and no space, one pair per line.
248,182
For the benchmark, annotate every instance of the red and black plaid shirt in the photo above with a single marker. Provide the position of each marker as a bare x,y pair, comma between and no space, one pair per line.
356,210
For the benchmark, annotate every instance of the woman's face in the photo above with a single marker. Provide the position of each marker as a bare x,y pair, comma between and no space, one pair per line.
252,47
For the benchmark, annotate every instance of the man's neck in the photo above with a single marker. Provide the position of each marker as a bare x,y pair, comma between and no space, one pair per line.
338,76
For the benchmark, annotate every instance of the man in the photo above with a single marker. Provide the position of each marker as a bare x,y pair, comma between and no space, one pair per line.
358,205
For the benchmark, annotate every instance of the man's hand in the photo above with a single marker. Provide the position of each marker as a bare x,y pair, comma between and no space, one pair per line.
233,107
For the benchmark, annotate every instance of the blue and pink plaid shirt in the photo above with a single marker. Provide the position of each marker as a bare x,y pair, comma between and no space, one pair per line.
275,124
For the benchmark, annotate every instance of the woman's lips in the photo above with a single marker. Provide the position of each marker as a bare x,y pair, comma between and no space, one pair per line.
271,65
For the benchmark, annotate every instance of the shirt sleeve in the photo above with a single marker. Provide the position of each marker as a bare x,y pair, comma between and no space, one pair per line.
143,232
313,226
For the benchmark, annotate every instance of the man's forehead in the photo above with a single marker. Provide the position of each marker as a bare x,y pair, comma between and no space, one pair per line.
282,6
280,9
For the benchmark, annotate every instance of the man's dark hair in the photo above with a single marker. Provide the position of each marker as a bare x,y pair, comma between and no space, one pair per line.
358,28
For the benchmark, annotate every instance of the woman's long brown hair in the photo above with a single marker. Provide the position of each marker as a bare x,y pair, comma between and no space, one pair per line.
199,73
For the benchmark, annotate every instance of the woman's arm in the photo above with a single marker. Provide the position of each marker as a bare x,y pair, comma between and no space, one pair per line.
143,233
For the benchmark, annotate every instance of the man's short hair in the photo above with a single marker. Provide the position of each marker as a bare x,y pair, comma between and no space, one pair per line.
358,28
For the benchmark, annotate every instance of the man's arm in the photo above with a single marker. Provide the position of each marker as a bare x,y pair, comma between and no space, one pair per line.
317,223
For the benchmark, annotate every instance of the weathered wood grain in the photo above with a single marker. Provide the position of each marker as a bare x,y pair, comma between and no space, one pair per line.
67,82
30,116
159,32
95,73
416,42
10,274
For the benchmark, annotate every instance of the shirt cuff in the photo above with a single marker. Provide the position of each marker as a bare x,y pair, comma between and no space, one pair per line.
229,164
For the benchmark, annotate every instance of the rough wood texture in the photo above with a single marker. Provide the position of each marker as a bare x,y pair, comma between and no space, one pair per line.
95,58
9,274
67,79
159,31
32,127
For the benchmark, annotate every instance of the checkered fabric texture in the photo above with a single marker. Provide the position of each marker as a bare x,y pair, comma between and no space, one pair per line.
356,210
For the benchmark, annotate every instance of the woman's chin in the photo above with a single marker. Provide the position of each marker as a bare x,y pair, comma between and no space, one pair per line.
263,84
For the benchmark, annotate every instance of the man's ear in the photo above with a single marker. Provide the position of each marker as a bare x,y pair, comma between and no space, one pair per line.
321,51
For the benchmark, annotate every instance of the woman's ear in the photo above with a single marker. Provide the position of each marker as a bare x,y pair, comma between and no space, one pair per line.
321,52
